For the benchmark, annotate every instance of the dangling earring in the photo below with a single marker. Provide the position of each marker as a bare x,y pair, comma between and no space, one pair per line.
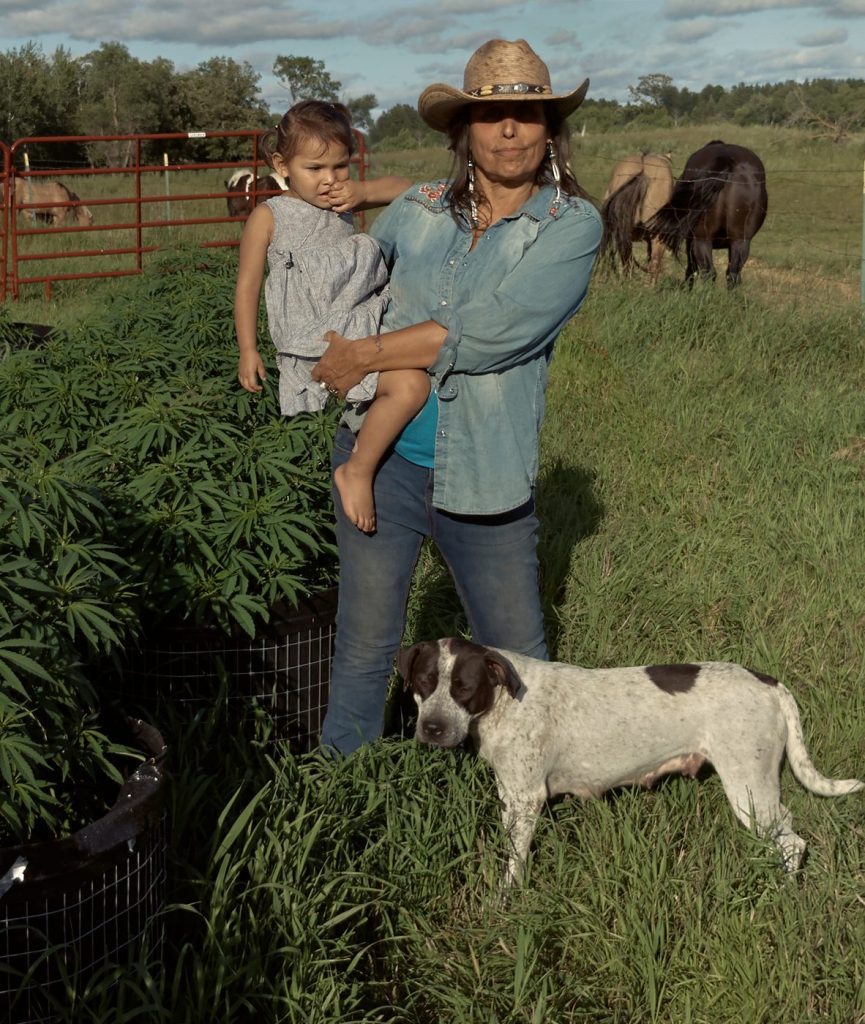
554,167
473,206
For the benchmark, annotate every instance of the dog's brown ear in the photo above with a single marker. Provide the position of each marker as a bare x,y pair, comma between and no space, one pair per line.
405,659
503,672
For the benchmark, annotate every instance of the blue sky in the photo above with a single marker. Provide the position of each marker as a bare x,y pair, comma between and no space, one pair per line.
394,49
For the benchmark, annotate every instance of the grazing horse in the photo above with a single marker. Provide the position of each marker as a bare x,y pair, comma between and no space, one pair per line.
719,202
48,194
638,187
244,186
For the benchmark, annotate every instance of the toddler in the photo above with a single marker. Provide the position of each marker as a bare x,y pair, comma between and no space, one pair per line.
322,277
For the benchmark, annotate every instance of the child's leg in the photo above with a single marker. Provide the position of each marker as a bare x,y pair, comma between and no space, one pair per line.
399,396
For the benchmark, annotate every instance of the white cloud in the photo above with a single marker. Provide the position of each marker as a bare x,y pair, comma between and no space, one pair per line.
692,31
568,38
215,23
726,8
688,9
825,38
846,9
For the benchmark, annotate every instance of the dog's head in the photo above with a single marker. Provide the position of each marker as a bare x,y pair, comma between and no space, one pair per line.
453,682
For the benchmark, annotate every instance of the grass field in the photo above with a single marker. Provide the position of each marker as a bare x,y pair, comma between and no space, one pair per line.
701,495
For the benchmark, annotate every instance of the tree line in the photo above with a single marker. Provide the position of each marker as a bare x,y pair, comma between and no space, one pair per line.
828,107
110,92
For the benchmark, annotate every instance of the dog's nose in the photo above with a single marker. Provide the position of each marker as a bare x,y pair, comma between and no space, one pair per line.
432,730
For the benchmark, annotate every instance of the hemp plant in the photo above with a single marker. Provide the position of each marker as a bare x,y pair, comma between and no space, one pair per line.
66,597
138,483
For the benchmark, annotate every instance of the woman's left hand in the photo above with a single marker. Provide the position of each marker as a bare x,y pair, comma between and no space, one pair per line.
339,369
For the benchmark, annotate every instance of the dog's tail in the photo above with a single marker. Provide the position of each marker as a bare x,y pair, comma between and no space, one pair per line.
797,754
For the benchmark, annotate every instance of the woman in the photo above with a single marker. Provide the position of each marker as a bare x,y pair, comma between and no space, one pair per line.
486,269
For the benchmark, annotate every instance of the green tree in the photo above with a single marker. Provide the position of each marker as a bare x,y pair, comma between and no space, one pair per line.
38,94
120,96
220,94
65,81
306,79
401,127
600,116
23,86
652,89
39,97
817,112
360,109
659,92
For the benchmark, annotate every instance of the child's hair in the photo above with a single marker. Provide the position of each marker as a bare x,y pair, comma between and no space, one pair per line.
309,119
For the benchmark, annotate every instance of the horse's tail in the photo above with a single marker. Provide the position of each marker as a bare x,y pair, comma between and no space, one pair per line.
691,198
620,214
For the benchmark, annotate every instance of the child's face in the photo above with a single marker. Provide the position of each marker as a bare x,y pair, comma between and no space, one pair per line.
313,169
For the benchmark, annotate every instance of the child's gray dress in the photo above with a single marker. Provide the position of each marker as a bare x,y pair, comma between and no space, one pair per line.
323,277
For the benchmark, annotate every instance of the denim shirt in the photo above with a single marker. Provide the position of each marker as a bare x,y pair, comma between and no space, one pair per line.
503,305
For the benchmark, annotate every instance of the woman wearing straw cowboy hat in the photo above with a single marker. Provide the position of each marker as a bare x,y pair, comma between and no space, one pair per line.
486,269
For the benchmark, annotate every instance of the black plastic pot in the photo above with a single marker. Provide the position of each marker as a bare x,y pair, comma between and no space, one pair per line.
29,335
284,670
69,907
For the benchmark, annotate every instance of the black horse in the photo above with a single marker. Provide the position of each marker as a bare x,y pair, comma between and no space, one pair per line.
719,202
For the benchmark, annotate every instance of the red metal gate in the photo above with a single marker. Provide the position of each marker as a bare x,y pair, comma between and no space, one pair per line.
5,166
123,213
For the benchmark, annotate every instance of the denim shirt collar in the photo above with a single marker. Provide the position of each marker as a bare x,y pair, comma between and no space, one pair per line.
538,207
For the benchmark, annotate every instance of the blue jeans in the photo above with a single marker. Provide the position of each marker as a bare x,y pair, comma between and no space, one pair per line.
493,561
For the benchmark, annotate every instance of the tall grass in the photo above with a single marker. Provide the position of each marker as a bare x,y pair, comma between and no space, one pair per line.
701,496
703,470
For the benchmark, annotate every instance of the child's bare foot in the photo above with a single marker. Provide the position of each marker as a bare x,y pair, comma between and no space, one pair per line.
355,493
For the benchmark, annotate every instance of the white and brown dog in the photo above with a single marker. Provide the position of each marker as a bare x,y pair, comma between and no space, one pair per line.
548,728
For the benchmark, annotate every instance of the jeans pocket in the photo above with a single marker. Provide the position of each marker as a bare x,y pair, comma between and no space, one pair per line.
343,444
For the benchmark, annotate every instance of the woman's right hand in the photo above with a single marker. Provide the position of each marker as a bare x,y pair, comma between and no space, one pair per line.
341,366
250,370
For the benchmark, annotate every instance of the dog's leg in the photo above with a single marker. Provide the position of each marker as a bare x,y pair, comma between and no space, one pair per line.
756,802
791,845
519,816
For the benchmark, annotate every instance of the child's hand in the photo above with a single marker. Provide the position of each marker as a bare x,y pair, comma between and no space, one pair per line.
250,369
347,195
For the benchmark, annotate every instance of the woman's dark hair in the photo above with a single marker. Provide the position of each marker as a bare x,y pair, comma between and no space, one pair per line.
457,195
309,119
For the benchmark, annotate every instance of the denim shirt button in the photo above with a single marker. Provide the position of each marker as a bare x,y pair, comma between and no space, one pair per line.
444,302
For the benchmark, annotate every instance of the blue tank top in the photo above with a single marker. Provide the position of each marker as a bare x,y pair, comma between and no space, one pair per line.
417,442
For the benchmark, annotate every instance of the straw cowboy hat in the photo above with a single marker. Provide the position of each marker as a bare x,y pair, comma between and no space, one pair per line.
498,70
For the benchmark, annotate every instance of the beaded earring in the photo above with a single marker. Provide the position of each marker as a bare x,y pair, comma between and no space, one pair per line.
554,167
473,206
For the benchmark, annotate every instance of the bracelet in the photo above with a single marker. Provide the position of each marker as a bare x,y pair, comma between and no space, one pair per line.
378,343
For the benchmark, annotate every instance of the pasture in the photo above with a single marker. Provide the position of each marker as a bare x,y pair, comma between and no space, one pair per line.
812,235
701,497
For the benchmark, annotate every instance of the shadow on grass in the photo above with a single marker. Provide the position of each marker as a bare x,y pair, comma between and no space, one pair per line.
569,512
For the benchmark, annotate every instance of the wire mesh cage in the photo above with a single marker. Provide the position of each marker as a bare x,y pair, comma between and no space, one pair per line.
68,908
284,671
